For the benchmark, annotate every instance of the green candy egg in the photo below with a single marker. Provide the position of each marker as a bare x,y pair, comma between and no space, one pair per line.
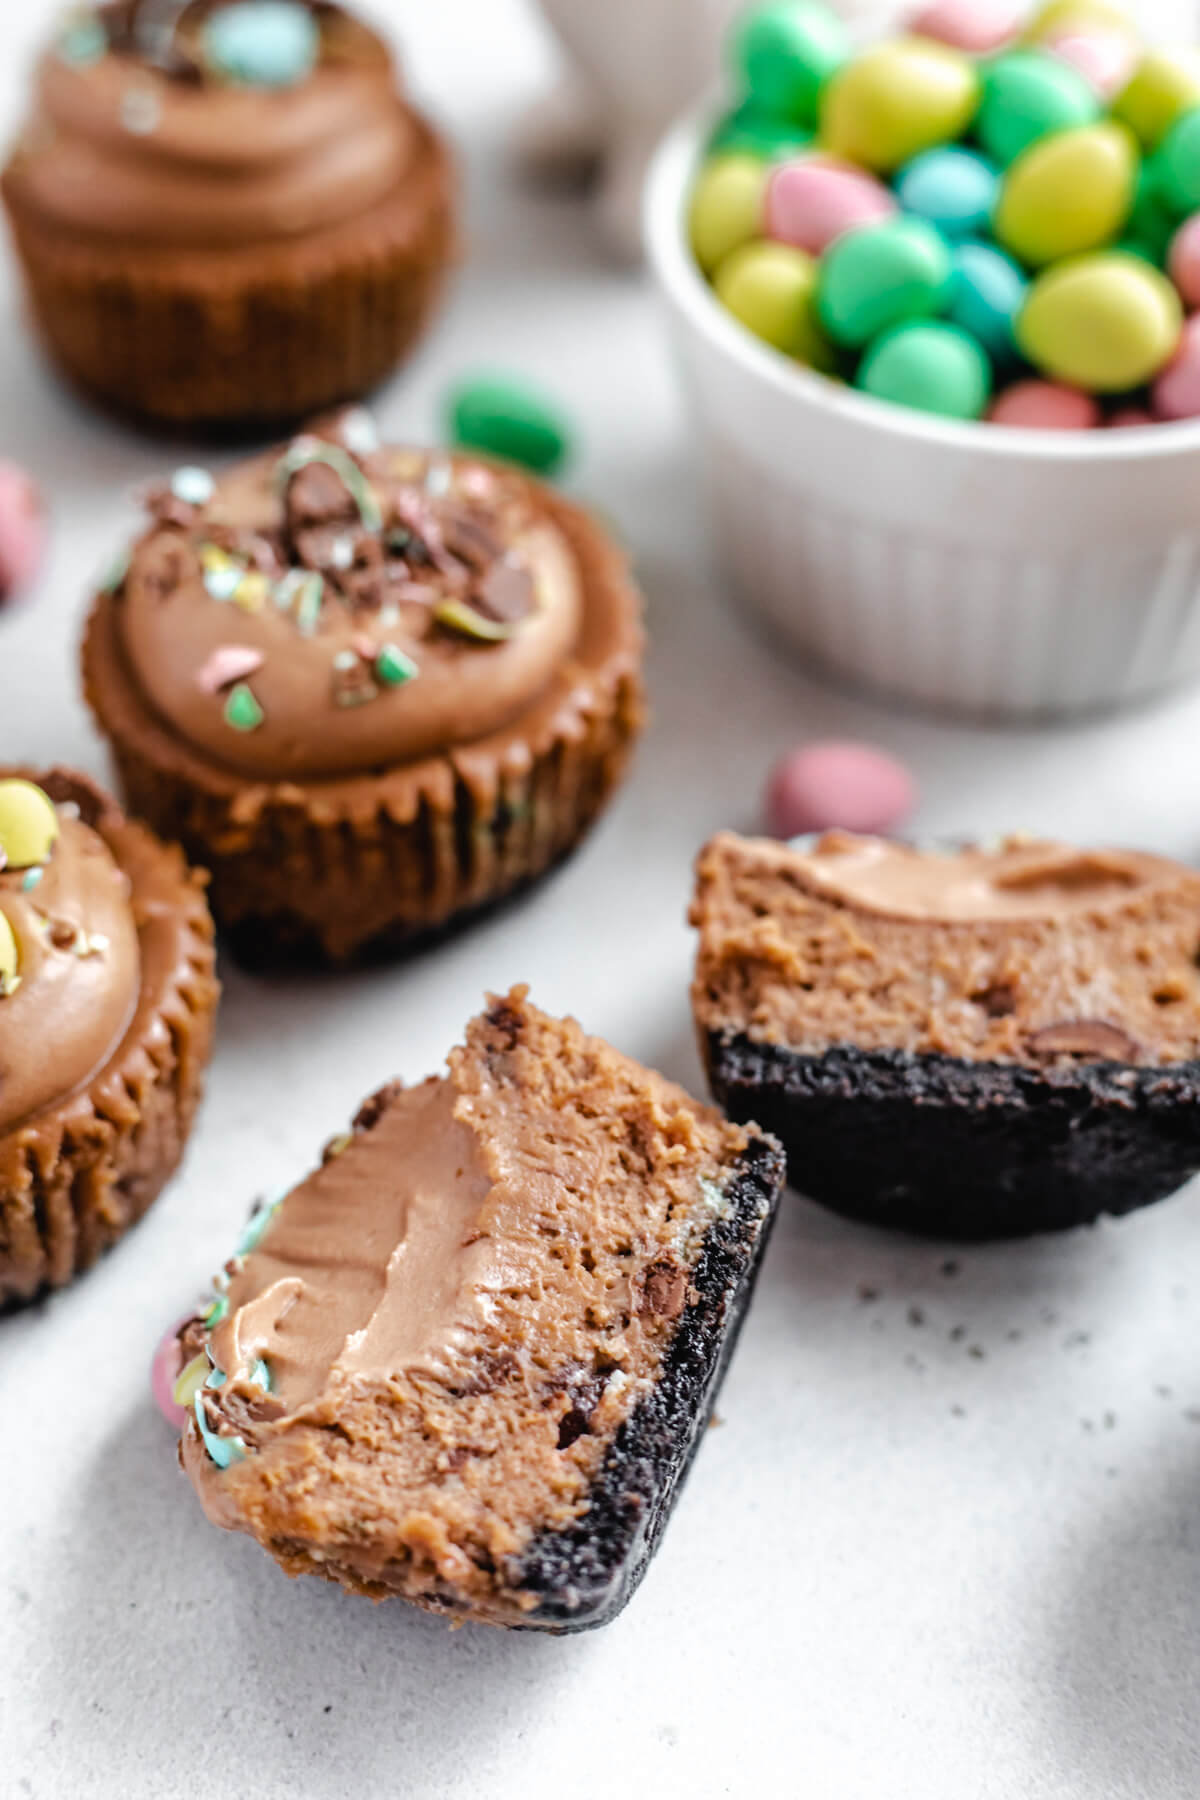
785,52
772,289
758,133
508,418
896,99
1176,167
1152,223
934,367
1027,94
1105,323
880,276
28,824
1165,84
1069,193
726,207
9,960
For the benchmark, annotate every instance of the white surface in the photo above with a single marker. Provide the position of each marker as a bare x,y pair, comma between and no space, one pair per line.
952,1560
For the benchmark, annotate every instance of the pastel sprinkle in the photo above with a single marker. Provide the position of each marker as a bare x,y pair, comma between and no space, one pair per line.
256,1225
260,1375
242,710
251,592
193,485
30,879
227,664
215,1311
223,1451
393,667
190,1380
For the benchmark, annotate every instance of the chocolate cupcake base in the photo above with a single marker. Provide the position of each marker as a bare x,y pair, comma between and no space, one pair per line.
967,1151
77,1175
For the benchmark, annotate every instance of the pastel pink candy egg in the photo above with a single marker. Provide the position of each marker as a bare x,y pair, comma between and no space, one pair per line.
812,201
1176,393
165,1369
1045,406
1183,260
22,530
823,786
1129,417
976,26
1106,59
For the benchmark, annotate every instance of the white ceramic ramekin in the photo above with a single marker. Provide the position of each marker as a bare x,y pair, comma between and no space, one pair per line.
961,567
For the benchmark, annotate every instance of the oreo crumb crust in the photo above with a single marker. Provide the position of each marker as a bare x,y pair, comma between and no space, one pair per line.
947,1148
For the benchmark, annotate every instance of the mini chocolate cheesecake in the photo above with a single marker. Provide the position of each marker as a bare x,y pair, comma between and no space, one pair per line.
978,1044
469,1360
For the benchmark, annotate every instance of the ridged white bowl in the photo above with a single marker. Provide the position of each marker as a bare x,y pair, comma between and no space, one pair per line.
962,567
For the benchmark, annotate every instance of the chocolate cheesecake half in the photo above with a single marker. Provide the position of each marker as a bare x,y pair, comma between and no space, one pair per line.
983,1043
469,1359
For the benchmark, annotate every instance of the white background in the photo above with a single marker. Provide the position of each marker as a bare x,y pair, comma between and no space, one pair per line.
946,1541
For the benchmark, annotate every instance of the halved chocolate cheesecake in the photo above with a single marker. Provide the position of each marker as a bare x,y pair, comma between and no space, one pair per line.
469,1359
982,1043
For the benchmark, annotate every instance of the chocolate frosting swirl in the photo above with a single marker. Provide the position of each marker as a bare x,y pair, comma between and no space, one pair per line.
79,968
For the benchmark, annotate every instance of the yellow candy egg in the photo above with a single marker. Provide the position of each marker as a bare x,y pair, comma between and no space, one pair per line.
8,955
772,289
1165,85
897,99
1068,193
1060,18
1106,323
726,207
28,824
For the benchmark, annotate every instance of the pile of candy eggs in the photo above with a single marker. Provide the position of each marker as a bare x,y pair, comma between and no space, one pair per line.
984,217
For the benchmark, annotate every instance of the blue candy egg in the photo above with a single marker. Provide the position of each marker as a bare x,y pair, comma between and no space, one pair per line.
954,189
262,43
987,295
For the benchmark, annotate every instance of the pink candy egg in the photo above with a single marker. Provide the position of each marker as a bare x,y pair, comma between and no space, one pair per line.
828,785
1045,406
1130,416
22,530
814,200
976,26
1106,59
1183,261
165,1369
1176,393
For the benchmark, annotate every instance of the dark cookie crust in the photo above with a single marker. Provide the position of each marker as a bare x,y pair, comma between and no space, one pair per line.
587,1573
972,1151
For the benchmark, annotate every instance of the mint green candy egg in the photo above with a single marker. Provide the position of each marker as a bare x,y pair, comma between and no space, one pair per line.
748,128
1176,167
989,292
1152,223
1027,94
772,289
785,52
896,99
932,367
880,276
1105,323
726,206
1068,194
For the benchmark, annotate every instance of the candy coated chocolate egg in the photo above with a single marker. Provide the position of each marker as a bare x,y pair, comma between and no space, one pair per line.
726,207
1106,322
9,959
1079,15
509,418
785,52
262,43
1027,95
896,99
1164,85
882,276
1105,59
979,27
28,824
988,294
954,189
165,1368
1045,406
1184,260
838,786
932,367
1176,393
1151,224
1069,193
772,289
1176,167
22,531
812,202
758,133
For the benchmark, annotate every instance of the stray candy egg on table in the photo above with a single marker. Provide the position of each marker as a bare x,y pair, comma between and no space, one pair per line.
1108,323
1045,406
811,202
505,416
980,27
896,99
838,785
22,531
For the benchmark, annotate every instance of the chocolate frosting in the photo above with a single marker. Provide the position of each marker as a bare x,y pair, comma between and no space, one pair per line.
79,969
119,148
368,611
